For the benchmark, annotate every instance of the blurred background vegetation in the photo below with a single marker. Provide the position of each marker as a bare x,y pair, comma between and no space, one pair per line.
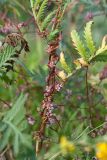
23,88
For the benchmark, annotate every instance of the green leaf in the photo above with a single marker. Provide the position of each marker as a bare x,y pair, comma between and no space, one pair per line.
79,46
41,12
64,64
32,2
101,57
26,140
14,127
38,76
5,138
103,47
37,3
11,114
19,117
6,56
47,20
24,67
16,144
53,35
88,38
27,155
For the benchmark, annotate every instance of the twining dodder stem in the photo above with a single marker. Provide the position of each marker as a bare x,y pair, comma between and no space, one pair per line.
53,83
53,86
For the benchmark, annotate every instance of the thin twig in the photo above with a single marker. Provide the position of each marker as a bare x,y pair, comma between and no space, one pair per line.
5,150
5,103
87,91
87,95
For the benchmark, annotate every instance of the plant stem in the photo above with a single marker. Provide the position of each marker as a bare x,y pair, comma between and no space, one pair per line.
87,95
87,90
5,103
53,85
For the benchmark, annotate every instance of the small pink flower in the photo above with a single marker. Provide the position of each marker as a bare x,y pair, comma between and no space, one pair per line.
89,16
31,120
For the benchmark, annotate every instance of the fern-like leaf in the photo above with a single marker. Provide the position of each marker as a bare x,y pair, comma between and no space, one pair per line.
6,55
32,2
101,57
101,53
88,38
41,12
5,138
78,44
64,64
103,47
47,20
15,123
53,35
37,3
11,114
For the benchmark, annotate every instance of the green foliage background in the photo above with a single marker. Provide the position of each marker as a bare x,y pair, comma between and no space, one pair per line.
22,89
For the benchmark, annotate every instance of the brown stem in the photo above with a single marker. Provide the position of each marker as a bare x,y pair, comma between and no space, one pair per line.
87,90
53,85
88,98
9,154
47,116
5,103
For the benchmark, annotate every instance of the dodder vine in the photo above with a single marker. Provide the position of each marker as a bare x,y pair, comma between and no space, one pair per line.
49,29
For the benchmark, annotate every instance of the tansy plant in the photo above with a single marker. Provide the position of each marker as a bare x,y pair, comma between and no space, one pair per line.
87,50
